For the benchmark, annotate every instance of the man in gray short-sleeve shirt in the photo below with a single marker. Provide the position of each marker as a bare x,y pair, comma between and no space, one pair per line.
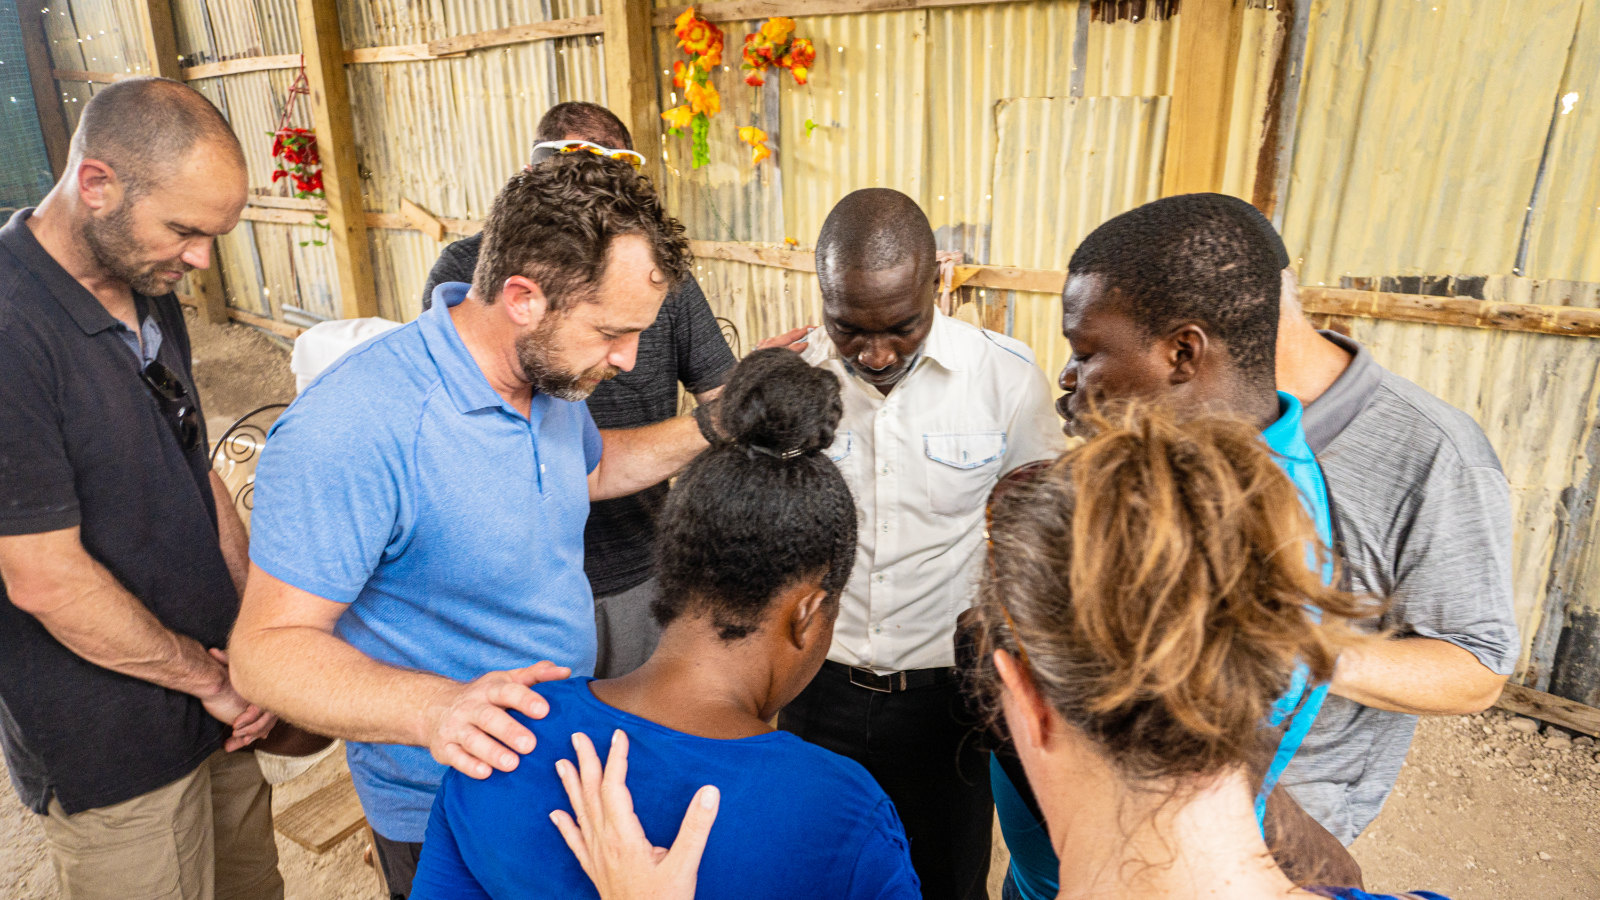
1422,518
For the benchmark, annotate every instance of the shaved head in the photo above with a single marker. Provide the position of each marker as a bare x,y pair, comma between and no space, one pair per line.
146,129
871,230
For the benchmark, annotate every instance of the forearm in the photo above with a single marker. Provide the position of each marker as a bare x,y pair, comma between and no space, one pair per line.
321,683
636,458
231,533
1416,675
95,617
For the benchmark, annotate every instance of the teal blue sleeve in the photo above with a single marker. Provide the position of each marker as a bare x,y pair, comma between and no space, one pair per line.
883,867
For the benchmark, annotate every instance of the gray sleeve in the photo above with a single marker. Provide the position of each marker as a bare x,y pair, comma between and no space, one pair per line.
455,263
1453,573
703,357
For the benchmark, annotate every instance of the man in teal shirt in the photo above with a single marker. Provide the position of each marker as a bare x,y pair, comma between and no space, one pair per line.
1175,302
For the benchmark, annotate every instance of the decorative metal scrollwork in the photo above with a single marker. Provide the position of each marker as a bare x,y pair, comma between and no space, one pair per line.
730,333
235,454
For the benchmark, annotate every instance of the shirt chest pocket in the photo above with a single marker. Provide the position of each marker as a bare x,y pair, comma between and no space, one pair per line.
961,469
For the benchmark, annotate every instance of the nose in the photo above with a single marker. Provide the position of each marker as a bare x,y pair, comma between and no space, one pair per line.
625,353
878,356
1069,378
199,255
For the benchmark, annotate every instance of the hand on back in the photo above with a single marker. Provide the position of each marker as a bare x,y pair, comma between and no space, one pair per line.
469,728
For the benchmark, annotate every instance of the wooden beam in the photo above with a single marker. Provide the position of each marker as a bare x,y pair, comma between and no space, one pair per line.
422,220
159,35
244,64
86,77
742,10
399,53
1550,708
1209,32
281,329
46,96
630,52
323,48
517,34
1574,321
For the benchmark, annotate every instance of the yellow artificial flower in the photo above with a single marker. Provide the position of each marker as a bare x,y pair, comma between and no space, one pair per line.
777,29
758,154
678,117
703,98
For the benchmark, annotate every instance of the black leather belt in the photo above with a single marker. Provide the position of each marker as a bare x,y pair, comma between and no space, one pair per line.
893,681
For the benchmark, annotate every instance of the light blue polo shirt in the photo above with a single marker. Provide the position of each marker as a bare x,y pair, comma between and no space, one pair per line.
1034,867
400,483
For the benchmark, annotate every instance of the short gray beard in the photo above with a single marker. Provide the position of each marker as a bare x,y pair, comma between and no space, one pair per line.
540,369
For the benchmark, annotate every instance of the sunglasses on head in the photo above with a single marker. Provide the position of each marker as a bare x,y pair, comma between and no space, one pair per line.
551,149
172,398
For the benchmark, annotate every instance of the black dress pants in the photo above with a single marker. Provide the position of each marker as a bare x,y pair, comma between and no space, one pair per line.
922,748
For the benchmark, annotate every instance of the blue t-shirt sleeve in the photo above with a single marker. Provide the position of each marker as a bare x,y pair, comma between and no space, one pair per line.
592,445
442,872
883,866
329,494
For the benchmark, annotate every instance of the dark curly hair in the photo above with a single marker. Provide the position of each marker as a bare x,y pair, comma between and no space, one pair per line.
555,222
763,509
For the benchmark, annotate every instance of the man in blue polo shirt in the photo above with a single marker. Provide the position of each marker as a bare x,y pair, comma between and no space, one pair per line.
395,597
1177,302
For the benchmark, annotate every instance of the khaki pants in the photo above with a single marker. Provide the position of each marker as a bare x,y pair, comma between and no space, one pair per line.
206,836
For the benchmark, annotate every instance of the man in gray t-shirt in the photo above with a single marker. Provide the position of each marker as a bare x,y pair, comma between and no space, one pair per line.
1422,518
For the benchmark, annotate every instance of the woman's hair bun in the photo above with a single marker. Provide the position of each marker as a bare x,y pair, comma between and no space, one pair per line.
778,405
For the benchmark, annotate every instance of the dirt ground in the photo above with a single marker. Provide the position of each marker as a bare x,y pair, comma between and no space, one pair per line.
1488,807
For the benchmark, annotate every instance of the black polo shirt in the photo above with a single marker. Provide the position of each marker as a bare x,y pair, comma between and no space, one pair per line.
83,443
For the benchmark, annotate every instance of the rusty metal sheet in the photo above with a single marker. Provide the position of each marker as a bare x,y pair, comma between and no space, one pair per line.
1564,234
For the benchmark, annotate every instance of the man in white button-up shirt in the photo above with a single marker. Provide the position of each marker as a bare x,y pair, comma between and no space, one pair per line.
935,411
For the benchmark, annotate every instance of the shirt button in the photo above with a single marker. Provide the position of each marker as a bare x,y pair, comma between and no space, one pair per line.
541,468
885,527
885,468
878,578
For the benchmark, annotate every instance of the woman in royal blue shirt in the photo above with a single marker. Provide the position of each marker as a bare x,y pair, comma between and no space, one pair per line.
757,540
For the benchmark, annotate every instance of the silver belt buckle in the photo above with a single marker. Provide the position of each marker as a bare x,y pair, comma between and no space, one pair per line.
892,677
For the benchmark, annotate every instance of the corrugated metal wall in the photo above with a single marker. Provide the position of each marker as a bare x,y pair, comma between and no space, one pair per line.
1432,139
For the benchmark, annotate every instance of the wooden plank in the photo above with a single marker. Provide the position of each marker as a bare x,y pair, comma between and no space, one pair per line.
46,96
517,34
1550,708
323,47
325,817
398,53
1467,312
630,54
238,315
159,35
1202,96
87,77
740,10
422,220
244,64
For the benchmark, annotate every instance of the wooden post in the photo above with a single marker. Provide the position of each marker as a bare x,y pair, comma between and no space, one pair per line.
1209,32
631,77
159,34
46,96
341,180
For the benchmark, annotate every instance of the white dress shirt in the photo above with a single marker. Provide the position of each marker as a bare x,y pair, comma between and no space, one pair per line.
921,463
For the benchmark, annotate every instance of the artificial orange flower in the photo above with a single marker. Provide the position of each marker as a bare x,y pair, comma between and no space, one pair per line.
680,74
696,36
678,117
777,29
760,153
703,98
802,53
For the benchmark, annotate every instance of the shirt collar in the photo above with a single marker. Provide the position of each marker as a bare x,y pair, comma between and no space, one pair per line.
1285,436
1349,394
81,305
463,380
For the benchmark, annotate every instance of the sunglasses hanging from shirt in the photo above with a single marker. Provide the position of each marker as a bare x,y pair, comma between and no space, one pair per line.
551,149
172,398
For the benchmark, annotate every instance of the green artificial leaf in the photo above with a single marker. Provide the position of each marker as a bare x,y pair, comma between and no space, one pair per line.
810,127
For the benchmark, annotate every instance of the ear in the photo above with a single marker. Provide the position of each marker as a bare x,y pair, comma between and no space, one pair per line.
807,616
1184,351
98,184
1028,716
524,300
